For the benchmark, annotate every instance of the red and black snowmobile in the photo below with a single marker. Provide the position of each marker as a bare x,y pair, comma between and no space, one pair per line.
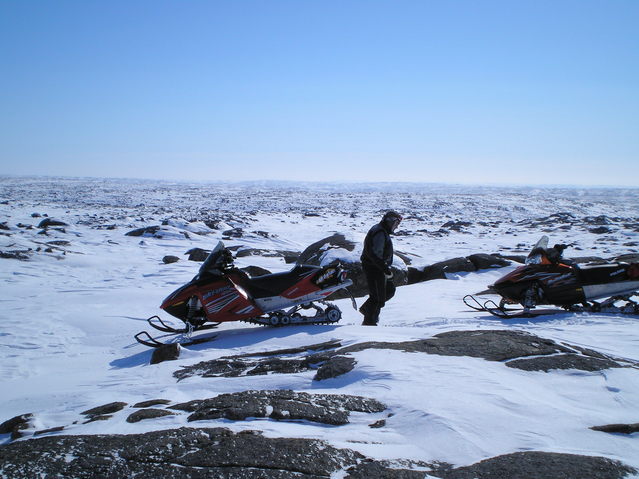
220,292
548,279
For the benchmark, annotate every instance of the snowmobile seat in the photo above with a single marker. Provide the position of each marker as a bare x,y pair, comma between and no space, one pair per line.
601,273
276,283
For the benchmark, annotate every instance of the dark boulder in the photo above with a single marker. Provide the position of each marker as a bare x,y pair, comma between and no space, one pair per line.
151,402
197,254
143,414
50,222
22,255
146,231
334,367
16,425
487,261
109,408
627,258
233,233
454,265
166,352
600,230
313,253
170,259
618,428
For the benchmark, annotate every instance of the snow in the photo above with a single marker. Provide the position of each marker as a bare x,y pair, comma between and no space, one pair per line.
67,320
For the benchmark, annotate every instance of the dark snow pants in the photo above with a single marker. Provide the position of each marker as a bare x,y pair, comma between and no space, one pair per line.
380,290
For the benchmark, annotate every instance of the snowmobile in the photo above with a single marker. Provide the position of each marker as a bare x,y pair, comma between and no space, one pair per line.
220,292
548,279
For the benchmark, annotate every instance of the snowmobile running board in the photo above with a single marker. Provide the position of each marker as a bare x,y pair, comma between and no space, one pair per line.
607,306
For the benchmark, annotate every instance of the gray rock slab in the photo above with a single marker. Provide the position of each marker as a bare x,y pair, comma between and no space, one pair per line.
190,453
284,405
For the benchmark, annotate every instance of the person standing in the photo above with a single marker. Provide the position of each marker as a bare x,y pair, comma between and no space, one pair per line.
377,258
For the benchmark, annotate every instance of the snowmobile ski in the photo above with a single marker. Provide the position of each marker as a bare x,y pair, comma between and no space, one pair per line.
146,339
157,323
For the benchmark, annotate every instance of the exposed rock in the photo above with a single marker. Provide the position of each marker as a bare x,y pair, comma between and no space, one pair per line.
16,425
456,225
100,417
597,220
189,453
335,366
564,361
4,226
313,253
266,362
142,414
627,258
267,253
540,465
151,402
48,431
587,259
170,259
486,261
284,405
166,352
197,254
618,428
522,351
23,254
146,231
109,408
233,233
492,345
513,257
600,230
49,222
178,453
439,270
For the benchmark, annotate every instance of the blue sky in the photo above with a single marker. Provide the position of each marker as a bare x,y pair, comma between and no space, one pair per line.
463,91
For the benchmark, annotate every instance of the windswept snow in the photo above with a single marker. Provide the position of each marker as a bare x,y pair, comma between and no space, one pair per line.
68,315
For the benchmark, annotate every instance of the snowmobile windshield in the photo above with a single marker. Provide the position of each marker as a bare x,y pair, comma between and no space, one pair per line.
217,261
537,253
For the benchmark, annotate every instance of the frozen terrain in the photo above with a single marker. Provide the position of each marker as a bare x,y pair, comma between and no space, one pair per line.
74,295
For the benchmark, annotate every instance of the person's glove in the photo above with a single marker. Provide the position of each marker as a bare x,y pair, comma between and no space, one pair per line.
388,273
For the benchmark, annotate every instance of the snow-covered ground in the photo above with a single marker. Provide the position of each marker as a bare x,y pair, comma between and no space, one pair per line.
68,316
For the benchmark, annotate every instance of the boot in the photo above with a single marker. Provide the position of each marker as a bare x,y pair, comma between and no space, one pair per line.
369,321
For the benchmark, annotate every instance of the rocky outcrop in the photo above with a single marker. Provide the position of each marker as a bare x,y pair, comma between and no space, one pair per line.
50,222
282,405
146,231
197,254
541,465
16,425
618,428
188,453
143,414
105,409
517,349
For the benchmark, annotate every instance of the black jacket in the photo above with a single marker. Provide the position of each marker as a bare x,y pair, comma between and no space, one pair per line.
378,248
